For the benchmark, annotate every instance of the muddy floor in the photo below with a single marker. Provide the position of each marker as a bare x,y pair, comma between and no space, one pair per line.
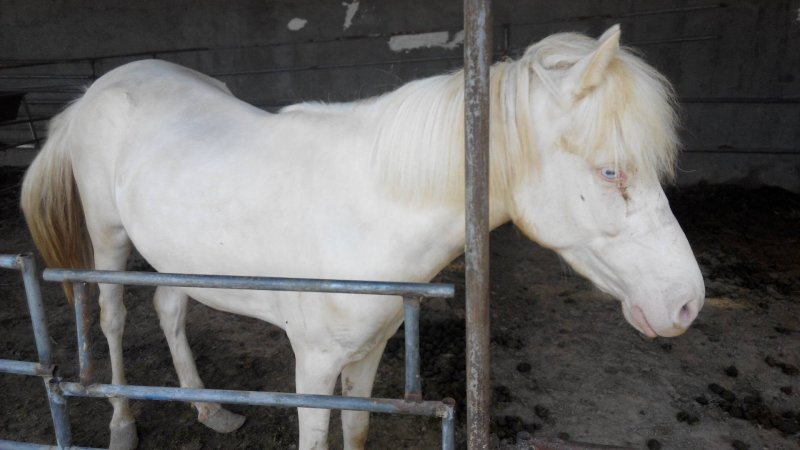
565,364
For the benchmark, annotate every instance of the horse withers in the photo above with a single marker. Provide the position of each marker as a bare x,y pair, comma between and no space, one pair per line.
161,158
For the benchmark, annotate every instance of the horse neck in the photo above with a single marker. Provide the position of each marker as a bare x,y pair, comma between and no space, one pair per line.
416,139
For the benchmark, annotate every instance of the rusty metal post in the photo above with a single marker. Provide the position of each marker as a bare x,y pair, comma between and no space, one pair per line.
477,62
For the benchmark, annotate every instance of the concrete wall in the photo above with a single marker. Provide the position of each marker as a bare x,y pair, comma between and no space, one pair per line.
735,65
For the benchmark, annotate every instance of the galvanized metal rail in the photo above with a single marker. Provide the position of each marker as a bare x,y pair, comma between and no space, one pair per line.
411,292
58,389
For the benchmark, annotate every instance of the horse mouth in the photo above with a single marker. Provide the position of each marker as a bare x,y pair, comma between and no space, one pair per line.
641,322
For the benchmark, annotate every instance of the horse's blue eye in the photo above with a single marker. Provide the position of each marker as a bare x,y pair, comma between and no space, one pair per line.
609,174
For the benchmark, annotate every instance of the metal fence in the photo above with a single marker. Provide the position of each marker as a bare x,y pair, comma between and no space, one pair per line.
58,389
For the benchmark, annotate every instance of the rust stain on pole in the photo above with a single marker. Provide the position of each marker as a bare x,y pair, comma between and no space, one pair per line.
477,61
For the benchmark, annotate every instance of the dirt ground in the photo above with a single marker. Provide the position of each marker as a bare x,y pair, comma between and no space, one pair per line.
564,361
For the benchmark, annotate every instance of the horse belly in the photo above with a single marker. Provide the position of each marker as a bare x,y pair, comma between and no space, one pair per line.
262,305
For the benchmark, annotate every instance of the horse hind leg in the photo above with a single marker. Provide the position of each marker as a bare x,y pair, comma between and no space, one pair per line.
357,381
170,304
111,253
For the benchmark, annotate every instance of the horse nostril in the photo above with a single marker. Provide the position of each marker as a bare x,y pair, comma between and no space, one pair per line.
687,314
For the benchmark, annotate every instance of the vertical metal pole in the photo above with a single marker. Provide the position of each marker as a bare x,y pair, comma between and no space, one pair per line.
27,264
58,404
477,62
58,410
83,325
413,383
449,425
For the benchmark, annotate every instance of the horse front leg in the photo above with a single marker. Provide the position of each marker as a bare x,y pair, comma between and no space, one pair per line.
315,373
357,380
171,305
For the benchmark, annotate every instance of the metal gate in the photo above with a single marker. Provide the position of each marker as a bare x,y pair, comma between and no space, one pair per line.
58,389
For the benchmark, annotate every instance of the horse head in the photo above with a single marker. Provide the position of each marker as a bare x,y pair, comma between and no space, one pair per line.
603,127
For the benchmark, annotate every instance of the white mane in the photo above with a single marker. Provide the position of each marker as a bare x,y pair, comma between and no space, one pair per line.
419,144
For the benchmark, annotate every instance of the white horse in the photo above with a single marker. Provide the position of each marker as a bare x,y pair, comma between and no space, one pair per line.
164,159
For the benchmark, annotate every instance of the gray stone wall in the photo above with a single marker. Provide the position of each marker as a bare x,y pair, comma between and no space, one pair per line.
735,64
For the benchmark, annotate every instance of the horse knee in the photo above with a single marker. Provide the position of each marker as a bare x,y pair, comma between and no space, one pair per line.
112,316
170,305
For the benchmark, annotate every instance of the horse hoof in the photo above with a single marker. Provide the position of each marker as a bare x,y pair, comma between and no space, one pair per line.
223,421
124,437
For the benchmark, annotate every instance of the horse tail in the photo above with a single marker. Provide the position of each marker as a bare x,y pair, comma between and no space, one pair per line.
51,203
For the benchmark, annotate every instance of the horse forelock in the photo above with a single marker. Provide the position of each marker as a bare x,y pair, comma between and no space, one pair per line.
629,119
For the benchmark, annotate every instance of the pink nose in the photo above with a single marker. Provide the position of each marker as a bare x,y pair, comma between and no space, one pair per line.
687,314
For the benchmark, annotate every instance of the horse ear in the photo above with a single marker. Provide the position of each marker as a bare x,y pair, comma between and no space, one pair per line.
589,71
